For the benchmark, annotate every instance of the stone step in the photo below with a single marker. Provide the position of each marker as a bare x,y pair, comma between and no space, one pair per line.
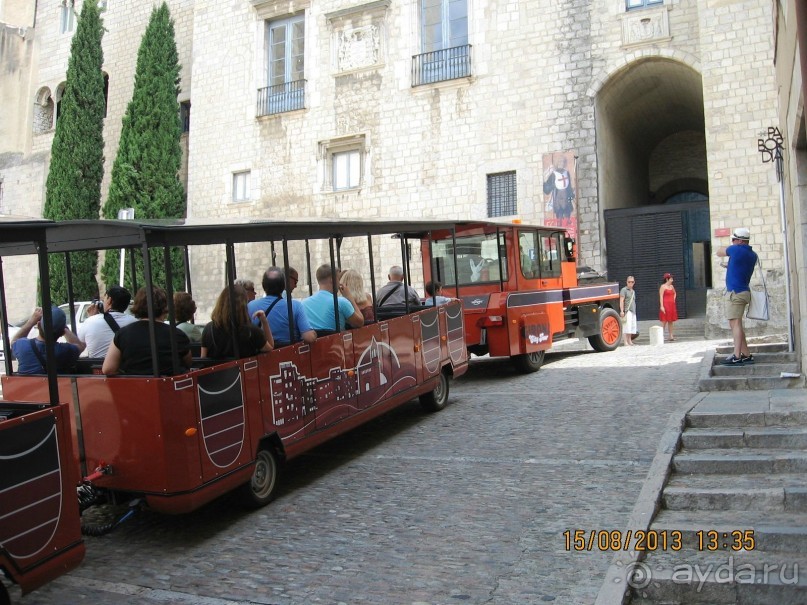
772,531
747,419
739,461
720,578
785,492
753,437
770,347
735,498
748,383
759,368
780,357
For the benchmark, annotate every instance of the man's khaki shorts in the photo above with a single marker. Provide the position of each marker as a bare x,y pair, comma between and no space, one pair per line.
736,304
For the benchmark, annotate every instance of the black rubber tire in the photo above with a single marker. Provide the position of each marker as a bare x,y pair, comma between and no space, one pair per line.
531,362
610,334
436,400
260,489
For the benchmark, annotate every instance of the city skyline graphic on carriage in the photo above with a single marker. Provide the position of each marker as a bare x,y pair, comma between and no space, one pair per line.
300,401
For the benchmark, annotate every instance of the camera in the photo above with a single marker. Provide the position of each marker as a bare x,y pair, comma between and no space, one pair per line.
98,305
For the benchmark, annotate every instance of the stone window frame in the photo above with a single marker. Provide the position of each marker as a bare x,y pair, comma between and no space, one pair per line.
43,105
67,17
330,149
631,5
445,21
241,182
58,95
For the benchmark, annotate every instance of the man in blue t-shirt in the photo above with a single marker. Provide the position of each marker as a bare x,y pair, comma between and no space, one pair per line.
277,310
30,352
742,260
319,308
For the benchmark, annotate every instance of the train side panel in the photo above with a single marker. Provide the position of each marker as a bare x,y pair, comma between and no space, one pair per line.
40,533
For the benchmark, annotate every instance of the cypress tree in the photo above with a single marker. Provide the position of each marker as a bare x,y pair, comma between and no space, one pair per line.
73,187
145,175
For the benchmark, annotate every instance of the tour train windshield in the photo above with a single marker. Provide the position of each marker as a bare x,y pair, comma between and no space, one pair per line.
477,260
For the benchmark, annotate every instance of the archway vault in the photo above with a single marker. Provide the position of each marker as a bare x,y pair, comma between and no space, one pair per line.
651,155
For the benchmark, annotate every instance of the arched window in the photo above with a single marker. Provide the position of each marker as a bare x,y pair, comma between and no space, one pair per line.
106,93
43,111
58,97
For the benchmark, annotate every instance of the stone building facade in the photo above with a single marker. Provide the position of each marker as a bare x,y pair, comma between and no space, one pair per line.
790,20
347,108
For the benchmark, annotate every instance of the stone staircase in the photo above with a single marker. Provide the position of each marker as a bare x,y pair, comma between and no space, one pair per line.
774,368
741,467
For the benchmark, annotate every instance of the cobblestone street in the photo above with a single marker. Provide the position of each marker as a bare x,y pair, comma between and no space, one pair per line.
468,505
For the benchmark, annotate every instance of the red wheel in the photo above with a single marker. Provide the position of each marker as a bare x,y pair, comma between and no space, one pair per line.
610,332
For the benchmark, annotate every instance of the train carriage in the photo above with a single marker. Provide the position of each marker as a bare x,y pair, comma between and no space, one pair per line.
179,441
40,533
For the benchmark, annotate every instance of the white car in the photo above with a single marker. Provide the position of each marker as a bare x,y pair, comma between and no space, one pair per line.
82,309
12,330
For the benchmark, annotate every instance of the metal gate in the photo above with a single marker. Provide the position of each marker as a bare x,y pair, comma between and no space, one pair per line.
647,243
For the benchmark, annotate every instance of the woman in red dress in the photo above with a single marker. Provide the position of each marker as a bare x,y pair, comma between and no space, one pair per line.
668,314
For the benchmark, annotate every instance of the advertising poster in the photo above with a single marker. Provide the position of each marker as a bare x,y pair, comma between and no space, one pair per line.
560,191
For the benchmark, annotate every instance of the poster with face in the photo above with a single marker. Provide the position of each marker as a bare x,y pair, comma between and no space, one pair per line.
560,188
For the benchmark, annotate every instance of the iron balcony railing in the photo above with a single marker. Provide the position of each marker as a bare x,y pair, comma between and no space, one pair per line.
441,65
281,98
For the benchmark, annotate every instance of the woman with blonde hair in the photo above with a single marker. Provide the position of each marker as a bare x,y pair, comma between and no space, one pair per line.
218,339
351,280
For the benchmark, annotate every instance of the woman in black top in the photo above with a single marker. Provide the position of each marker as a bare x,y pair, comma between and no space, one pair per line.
130,351
217,338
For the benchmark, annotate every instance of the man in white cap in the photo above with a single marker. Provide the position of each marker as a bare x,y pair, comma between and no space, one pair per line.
742,260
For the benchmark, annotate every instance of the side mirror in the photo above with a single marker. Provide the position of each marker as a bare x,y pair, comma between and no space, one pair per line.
569,244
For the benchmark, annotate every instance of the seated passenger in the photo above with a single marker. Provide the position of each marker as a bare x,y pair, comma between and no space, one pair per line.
319,308
434,289
393,293
353,284
30,352
97,331
217,338
130,351
277,310
292,277
249,286
184,308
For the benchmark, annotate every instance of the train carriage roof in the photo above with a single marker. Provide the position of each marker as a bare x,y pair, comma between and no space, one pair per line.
16,236
108,234
20,236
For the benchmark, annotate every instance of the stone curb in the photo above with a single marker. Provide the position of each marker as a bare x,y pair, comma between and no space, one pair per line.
706,365
615,589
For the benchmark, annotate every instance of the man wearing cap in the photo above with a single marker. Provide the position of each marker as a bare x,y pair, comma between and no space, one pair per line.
742,260
30,352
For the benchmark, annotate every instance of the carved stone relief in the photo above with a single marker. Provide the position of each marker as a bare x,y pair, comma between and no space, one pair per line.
645,27
358,47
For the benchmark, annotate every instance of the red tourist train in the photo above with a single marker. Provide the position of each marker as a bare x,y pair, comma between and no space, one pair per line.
520,290
177,442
